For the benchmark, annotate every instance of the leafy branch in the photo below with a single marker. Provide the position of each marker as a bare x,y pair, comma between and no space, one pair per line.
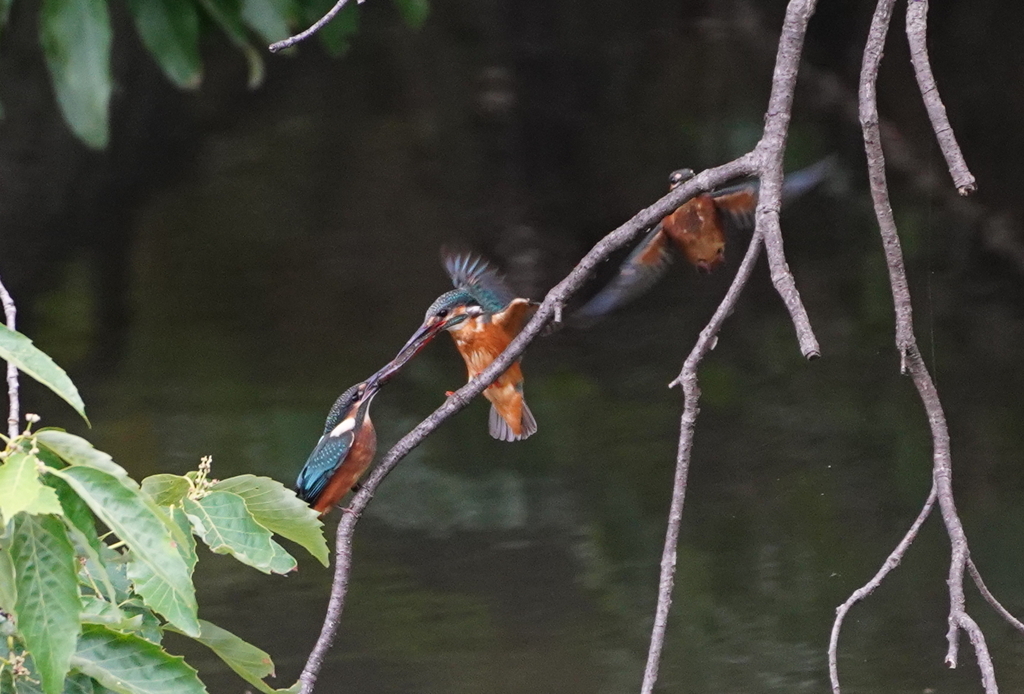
80,611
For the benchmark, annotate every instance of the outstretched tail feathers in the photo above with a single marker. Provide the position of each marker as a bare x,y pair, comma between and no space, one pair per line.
500,429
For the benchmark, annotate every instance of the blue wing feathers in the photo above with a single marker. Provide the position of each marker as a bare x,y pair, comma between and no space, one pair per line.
479,279
329,453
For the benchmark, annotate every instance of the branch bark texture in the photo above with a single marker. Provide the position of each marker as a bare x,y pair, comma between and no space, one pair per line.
14,402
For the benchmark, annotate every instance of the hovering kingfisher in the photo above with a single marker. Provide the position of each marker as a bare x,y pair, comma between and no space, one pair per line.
347,445
483,316
697,228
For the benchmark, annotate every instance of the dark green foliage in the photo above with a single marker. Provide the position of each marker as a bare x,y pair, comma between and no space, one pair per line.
76,37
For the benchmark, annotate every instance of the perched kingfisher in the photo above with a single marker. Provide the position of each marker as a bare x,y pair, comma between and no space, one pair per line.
483,316
698,229
347,445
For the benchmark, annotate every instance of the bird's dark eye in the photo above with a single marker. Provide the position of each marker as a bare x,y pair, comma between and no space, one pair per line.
442,313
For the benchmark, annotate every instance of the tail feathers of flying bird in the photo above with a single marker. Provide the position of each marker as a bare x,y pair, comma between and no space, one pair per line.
799,182
500,429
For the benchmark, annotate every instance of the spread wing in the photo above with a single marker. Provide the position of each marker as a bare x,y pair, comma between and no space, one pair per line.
737,202
638,273
479,279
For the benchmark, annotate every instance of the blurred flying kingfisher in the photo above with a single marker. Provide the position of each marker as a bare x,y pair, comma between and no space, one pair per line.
348,443
698,229
483,316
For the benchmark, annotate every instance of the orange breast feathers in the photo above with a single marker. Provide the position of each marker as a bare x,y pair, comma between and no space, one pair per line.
364,446
697,230
480,339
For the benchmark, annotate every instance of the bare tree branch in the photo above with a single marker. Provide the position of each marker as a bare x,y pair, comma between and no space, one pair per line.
910,357
991,599
917,36
691,407
13,416
890,563
303,35
768,158
770,150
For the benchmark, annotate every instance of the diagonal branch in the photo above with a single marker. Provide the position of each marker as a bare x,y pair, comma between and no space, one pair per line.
317,26
549,310
13,416
917,37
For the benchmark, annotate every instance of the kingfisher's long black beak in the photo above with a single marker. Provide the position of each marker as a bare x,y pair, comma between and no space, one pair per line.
420,339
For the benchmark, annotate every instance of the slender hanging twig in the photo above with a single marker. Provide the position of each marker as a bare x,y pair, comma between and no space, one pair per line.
317,26
910,357
14,403
768,158
917,36
890,563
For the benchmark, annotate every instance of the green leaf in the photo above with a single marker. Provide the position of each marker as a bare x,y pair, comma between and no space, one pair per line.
186,549
8,587
78,683
48,605
21,489
75,510
75,35
335,35
75,450
282,562
266,18
149,626
127,664
93,570
225,524
157,569
251,663
228,16
19,350
166,490
276,508
96,611
170,32
414,12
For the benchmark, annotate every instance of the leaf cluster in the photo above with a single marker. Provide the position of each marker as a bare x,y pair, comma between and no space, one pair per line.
82,611
76,37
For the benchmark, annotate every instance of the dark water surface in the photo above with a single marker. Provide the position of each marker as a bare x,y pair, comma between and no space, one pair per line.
296,248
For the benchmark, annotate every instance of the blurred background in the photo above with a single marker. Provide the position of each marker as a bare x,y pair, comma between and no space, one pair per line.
235,259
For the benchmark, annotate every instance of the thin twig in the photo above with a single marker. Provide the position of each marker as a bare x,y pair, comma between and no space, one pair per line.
917,36
890,563
303,35
13,416
555,299
770,150
991,599
691,408
910,357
